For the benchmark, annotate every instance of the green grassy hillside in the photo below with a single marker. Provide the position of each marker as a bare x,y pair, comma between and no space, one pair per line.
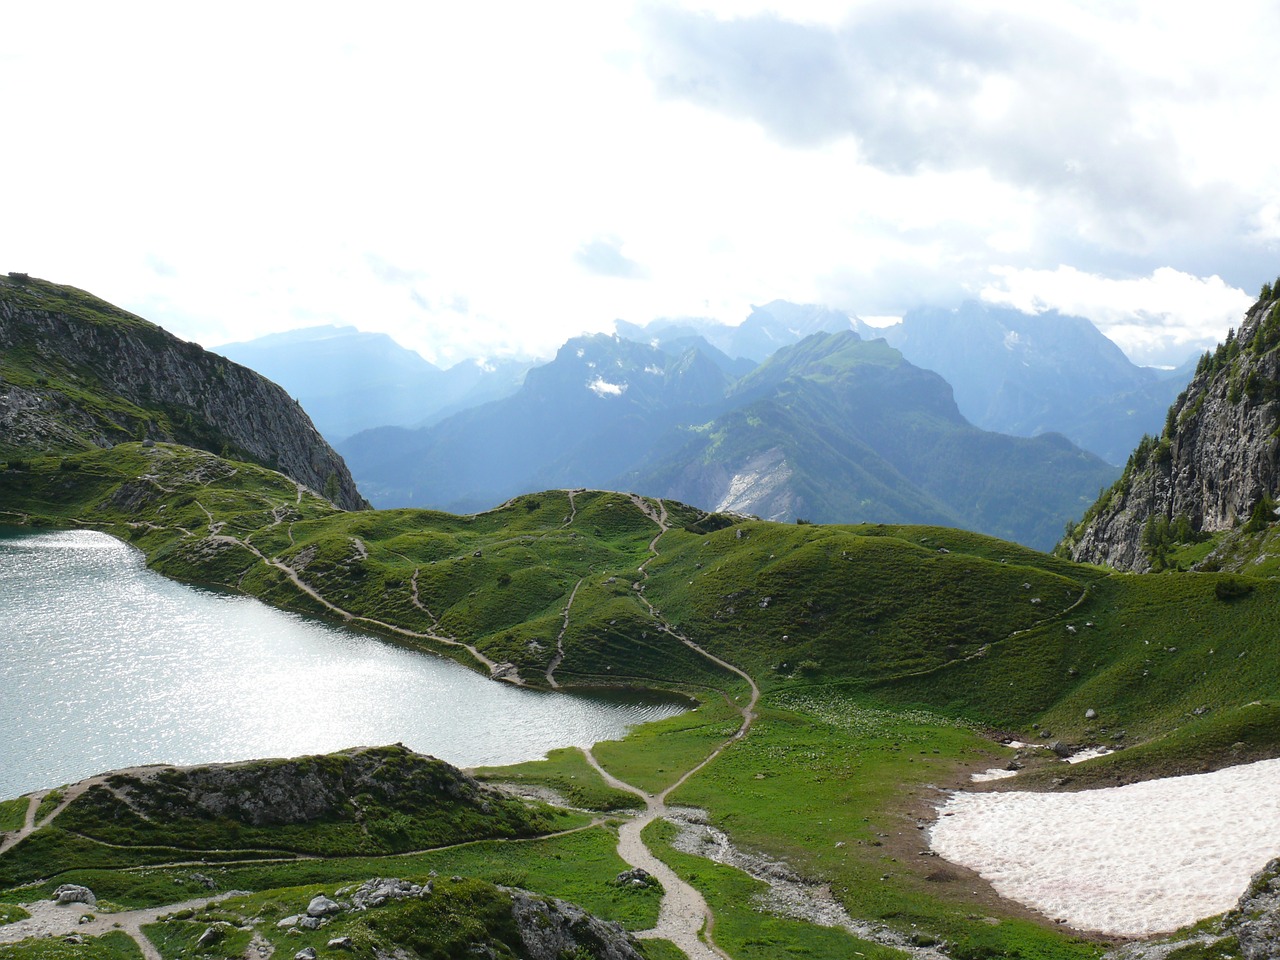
886,657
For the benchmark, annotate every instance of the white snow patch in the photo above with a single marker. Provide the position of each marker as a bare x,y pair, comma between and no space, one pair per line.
1087,754
995,773
603,388
1127,861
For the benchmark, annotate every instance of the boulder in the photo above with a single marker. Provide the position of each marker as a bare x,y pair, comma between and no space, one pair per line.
309,923
635,877
306,953
340,943
288,922
74,893
212,935
322,906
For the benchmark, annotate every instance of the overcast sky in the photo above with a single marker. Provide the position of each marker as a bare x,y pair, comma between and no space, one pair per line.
492,178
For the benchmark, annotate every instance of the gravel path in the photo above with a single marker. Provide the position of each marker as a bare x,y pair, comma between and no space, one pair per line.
51,919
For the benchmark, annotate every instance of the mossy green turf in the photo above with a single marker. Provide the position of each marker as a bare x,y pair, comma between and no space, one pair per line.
13,813
883,651
567,772
109,946
579,867
840,789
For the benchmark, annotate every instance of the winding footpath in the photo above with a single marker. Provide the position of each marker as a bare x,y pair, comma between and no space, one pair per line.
559,656
684,917
496,670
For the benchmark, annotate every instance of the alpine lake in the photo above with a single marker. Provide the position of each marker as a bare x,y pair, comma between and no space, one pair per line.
105,664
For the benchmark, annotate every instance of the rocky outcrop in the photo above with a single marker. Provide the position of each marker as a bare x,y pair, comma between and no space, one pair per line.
77,372
298,790
1215,462
551,929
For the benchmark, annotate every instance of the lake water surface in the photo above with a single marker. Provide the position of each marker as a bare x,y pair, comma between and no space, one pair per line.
106,664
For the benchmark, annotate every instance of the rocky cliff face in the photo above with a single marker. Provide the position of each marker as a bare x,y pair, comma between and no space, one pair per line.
1214,465
77,372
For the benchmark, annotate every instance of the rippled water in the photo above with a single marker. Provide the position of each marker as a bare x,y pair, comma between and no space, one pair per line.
106,664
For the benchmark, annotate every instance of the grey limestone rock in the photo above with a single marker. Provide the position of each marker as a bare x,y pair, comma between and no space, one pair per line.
381,890
74,893
551,929
1258,927
1220,459
322,906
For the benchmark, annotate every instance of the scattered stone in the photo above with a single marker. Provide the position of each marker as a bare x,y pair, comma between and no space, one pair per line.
211,935
288,922
381,890
1035,600
306,953
73,938
322,906
1091,714
340,943
207,882
635,877
309,923
1060,749
1071,628
74,893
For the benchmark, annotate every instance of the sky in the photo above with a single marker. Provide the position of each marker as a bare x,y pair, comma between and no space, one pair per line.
489,179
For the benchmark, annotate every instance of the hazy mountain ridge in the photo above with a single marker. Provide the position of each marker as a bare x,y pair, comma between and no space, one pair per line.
349,380
838,430
79,372
830,429
778,323
1026,374
589,416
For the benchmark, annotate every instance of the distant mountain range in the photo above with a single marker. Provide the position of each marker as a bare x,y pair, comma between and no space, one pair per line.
836,429
832,429
349,380
739,417
766,329
596,412
1027,374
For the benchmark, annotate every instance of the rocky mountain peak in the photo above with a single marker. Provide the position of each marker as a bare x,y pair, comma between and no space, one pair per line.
1213,468
77,372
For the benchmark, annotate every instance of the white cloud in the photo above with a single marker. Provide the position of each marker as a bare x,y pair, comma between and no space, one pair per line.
1158,319
493,179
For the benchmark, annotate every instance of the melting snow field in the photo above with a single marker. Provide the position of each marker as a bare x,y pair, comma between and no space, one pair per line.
1128,861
